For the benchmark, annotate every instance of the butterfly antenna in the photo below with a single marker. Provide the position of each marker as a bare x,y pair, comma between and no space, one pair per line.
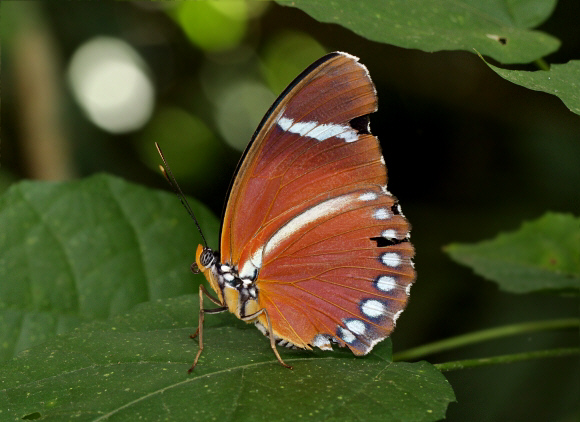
173,183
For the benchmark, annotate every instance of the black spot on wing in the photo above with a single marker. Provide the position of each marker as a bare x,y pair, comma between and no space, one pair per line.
382,242
395,207
361,125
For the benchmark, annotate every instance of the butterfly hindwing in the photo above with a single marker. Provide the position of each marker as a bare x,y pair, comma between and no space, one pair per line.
348,273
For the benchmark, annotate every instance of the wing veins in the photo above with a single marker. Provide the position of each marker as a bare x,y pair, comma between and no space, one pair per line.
344,78
358,290
286,320
266,214
358,183
264,222
330,237
363,291
390,270
343,81
327,163
338,306
309,230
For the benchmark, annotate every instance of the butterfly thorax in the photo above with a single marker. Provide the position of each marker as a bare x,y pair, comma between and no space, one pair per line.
240,295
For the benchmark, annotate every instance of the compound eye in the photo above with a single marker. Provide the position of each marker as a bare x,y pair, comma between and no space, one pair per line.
207,257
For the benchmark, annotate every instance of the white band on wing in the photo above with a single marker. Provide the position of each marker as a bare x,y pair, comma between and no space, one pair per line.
323,210
317,131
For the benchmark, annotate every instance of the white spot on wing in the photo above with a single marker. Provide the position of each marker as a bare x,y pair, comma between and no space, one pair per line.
408,289
321,341
356,326
391,259
373,308
386,283
389,234
381,214
368,196
323,210
346,335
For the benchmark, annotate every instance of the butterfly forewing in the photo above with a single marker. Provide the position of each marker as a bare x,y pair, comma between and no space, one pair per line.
309,218
319,103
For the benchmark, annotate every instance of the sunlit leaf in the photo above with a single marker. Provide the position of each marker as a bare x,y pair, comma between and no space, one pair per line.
189,145
85,250
134,367
562,80
213,26
286,55
497,29
542,255
240,110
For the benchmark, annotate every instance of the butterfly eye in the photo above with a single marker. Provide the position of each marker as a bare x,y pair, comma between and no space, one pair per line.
207,257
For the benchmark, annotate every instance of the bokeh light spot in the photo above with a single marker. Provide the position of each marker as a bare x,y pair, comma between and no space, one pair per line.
213,26
187,142
288,54
110,82
240,110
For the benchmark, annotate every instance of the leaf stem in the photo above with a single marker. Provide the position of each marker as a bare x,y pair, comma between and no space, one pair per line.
516,357
484,335
542,64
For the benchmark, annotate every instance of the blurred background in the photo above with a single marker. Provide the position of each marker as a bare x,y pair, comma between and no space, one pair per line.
88,87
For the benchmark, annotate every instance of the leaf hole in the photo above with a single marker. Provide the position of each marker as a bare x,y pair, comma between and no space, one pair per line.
498,38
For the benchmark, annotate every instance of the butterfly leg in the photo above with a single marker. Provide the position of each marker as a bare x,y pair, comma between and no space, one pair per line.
271,334
202,312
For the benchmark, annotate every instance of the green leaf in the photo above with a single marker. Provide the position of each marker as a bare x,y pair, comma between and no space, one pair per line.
543,254
89,250
134,367
85,250
562,80
499,28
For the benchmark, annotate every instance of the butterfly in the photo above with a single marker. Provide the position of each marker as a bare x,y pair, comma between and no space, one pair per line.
314,249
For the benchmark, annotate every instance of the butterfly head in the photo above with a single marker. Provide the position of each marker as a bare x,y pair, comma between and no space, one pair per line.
206,262
205,258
